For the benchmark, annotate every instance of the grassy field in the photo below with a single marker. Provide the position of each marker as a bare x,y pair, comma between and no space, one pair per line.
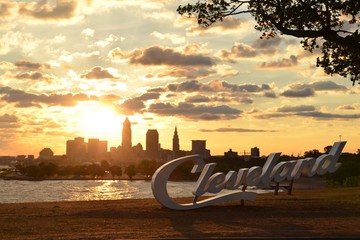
319,213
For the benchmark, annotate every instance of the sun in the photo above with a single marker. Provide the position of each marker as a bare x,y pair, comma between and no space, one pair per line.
99,121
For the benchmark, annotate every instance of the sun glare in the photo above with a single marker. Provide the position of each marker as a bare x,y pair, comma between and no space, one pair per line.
99,121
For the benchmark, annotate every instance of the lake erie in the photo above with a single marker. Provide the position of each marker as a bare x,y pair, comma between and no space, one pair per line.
15,191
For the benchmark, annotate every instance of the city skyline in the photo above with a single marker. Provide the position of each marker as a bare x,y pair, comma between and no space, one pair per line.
78,68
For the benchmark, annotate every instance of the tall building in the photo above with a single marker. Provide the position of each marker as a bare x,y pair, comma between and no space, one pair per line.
199,147
126,134
255,152
93,149
152,144
76,149
46,153
176,145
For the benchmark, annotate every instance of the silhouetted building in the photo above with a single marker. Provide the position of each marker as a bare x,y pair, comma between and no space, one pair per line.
126,134
231,154
76,149
176,145
255,152
152,144
93,149
46,153
199,147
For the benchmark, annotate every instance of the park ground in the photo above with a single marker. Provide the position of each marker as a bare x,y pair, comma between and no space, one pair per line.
307,213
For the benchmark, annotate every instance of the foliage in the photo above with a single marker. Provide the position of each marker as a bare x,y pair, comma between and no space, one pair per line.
347,173
312,153
148,167
326,25
130,171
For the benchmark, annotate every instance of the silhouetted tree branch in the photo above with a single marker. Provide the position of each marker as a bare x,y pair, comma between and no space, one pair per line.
331,25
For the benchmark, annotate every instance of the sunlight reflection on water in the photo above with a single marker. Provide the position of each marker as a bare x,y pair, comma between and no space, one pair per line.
84,190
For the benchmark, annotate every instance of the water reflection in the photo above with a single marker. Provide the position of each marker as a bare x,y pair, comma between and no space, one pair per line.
83,190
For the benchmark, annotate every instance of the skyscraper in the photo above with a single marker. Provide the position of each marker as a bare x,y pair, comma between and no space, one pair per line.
176,145
126,134
152,144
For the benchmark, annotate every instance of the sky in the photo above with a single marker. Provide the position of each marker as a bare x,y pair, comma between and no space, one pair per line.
78,68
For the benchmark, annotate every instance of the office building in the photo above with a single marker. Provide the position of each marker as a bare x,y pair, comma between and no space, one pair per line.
152,144
126,134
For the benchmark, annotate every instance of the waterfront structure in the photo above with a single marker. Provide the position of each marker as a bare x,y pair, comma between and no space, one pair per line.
152,144
126,134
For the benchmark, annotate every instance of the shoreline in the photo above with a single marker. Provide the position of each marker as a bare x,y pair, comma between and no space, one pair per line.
316,213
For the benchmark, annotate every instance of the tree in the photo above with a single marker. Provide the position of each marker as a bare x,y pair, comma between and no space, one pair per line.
147,167
327,149
330,25
312,153
130,171
116,171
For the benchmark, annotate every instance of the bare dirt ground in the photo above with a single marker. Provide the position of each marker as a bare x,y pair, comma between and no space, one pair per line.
315,213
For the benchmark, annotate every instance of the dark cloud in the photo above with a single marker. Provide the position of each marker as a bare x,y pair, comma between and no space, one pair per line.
197,99
30,65
98,73
299,108
299,93
283,63
241,130
215,86
259,47
131,106
42,10
270,94
186,72
149,96
321,86
195,112
5,9
8,118
157,55
33,76
24,99
328,116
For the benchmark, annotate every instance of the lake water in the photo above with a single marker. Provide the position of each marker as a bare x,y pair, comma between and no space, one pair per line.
13,191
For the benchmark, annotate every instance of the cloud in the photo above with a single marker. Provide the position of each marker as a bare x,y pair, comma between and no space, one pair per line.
157,55
42,10
8,118
260,47
6,10
328,116
283,63
23,99
185,72
33,76
195,112
299,108
98,73
227,25
30,65
173,38
87,33
197,99
107,41
237,130
215,86
353,106
298,93
131,106
149,96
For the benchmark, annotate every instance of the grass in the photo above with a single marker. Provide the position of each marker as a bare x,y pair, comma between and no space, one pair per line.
320,213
